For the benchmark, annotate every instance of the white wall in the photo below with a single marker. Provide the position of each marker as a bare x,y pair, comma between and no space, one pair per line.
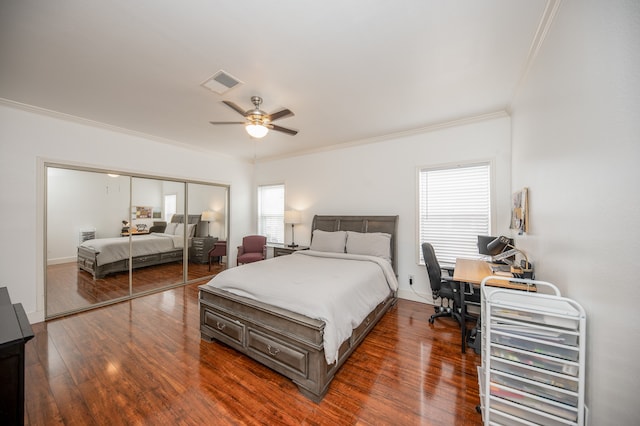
381,179
576,123
27,138
104,204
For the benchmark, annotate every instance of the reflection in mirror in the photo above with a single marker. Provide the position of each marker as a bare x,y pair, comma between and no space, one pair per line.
209,203
157,243
82,206
112,237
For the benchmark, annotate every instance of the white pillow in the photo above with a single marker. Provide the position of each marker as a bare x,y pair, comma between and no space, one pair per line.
191,229
171,228
329,241
372,244
179,229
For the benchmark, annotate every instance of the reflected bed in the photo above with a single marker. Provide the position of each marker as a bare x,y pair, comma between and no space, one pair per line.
104,256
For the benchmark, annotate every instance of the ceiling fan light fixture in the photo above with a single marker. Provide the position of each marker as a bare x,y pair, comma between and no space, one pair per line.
256,130
257,122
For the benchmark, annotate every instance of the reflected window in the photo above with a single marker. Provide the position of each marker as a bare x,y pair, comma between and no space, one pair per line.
170,204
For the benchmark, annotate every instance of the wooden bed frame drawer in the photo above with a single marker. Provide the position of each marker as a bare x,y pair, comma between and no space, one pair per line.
88,263
225,327
283,354
176,255
141,260
361,330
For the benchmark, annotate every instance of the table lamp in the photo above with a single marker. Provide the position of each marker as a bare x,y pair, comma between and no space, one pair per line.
292,217
208,216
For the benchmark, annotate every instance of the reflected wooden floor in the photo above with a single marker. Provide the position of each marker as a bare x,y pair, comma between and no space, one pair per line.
70,289
142,362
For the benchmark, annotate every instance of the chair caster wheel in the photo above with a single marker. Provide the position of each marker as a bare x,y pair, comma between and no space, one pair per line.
430,320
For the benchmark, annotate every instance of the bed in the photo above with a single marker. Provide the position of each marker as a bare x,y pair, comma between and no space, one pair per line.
103,256
243,307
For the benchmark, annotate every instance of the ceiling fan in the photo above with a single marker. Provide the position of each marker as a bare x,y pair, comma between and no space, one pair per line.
257,122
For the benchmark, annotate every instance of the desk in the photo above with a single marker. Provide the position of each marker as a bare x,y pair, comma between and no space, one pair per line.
473,271
134,232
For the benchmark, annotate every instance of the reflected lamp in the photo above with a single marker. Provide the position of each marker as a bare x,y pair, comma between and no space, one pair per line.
208,216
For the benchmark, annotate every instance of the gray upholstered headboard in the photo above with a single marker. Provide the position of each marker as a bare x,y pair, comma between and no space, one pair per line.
387,224
179,218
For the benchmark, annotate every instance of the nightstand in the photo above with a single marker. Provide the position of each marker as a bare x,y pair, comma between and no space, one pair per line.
282,250
200,246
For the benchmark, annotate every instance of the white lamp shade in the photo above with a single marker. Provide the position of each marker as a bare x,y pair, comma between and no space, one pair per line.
256,130
292,216
208,216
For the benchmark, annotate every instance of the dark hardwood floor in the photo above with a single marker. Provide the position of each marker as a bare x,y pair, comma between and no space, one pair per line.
70,289
142,362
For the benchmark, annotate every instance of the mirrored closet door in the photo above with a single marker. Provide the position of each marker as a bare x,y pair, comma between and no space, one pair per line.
112,236
158,259
209,203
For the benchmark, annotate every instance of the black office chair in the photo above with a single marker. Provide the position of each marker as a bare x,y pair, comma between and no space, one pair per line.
442,287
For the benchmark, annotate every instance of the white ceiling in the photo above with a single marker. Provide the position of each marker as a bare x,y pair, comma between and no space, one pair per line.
350,70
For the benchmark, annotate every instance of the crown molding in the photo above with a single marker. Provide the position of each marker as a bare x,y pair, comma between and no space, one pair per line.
546,20
97,124
383,138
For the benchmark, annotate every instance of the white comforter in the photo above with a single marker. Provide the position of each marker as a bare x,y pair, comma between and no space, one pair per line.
339,289
114,249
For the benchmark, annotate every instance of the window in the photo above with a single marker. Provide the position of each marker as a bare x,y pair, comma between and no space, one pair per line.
455,207
271,212
170,205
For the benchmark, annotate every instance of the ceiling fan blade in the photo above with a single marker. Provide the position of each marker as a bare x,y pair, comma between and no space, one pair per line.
227,122
282,129
235,107
280,114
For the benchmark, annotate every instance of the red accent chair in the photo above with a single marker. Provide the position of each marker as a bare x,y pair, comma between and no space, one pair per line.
253,249
219,249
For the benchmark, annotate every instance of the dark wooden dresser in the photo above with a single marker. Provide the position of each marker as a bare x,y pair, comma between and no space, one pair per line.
200,246
15,331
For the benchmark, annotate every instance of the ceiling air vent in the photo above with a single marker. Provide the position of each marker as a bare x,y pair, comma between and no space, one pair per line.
221,82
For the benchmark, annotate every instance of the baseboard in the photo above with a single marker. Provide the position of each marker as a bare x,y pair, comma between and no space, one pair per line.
61,260
409,294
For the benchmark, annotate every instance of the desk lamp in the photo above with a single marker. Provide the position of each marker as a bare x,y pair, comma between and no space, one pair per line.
506,242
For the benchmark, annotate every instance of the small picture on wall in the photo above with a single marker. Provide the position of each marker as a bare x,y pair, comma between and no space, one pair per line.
143,212
157,214
520,211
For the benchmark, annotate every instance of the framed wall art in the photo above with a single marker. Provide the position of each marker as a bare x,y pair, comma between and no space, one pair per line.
143,212
520,211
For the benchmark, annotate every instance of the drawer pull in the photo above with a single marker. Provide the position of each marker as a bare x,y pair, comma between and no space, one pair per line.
272,351
220,325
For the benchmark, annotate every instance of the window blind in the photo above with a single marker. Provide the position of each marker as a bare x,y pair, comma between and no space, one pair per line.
455,207
271,212
170,206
